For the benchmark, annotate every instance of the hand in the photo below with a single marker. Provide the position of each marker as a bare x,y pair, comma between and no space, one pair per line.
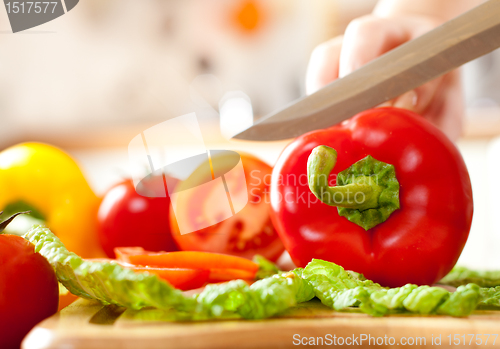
366,38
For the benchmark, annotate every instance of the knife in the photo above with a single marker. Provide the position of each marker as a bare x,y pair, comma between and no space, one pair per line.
458,41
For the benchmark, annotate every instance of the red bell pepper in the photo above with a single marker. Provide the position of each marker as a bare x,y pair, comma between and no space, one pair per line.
402,189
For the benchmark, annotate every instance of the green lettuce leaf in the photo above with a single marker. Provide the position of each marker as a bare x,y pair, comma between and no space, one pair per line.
392,299
461,302
462,276
337,288
303,288
358,296
335,276
490,297
264,298
266,267
109,283
340,289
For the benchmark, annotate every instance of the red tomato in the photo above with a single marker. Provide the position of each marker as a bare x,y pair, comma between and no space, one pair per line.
421,241
28,290
247,233
126,218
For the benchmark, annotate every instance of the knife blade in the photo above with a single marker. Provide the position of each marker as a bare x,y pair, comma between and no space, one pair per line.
456,42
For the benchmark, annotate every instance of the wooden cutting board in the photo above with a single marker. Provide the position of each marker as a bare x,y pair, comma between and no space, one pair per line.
89,325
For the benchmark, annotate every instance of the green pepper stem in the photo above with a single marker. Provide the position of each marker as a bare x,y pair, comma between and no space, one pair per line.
363,194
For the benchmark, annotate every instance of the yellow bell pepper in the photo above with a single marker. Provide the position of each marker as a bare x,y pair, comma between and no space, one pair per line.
48,181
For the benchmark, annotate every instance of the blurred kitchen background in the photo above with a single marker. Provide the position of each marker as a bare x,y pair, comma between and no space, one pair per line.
94,78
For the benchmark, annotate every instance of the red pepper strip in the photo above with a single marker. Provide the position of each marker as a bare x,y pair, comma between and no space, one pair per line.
122,252
219,275
107,260
199,290
188,259
66,299
182,279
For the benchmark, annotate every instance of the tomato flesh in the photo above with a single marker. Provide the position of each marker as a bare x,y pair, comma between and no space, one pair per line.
245,234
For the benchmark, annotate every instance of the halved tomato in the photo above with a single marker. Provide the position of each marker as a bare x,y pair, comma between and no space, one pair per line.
245,234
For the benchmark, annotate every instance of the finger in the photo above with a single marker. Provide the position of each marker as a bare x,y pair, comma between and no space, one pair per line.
368,37
323,66
418,100
407,100
446,110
